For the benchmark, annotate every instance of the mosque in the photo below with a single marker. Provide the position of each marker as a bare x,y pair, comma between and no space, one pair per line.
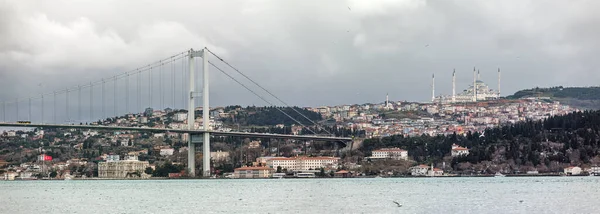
478,91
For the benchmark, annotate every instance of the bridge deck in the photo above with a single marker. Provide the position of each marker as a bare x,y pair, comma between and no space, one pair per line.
144,129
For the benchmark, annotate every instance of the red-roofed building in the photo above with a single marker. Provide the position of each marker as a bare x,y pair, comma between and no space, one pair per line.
253,172
459,151
303,163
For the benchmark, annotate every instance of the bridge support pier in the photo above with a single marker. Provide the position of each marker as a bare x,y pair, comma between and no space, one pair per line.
205,116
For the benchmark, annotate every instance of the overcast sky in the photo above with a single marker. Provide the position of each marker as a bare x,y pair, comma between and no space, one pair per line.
310,53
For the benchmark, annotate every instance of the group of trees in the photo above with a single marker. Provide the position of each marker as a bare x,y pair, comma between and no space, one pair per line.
270,116
571,139
582,93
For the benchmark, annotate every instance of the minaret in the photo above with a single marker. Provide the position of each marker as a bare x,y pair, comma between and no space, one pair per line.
478,75
474,85
454,86
498,83
386,101
433,88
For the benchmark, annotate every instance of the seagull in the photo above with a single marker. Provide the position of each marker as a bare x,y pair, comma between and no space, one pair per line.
427,45
399,205
521,201
349,8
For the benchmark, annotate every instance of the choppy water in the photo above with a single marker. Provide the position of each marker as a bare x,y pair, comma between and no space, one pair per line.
416,195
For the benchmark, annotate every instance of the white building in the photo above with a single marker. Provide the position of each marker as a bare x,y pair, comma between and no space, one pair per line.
112,158
477,91
303,163
393,153
572,170
253,172
459,151
595,170
420,170
180,117
219,155
122,169
166,152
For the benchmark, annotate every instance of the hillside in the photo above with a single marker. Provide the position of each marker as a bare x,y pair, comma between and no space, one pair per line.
546,146
269,116
580,97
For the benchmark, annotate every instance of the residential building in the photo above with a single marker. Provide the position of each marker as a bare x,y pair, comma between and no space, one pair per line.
435,172
595,170
122,169
254,144
253,172
420,170
166,151
219,155
112,158
572,170
459,151
180,117
393,153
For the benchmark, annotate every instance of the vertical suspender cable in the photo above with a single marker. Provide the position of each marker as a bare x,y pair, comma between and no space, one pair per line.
127,94
67,106
91,102
160,82
115,97
17,109
139,91
79,103
150,88
29,118
54,114
103,101
173,83
42,109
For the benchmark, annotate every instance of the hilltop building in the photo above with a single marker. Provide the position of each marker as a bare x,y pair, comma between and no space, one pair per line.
392,153
478,91
459,151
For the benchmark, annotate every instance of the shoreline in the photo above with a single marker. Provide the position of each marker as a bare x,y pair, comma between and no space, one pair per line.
401,177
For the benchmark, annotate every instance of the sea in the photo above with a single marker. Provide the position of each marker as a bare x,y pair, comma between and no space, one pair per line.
353,195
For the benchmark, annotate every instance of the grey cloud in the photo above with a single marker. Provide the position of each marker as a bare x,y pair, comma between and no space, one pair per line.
309,52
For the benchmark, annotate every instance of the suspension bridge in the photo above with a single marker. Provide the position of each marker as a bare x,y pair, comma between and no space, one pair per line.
114,96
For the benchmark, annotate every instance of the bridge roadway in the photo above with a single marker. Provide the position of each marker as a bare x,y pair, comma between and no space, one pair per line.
159,130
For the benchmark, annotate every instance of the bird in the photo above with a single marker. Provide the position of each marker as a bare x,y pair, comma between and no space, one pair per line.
427,45
349,8
399,205
521,201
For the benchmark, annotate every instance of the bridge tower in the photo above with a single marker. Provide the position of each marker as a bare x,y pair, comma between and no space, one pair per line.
205,115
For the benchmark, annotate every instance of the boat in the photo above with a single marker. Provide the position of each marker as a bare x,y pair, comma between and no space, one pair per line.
498,174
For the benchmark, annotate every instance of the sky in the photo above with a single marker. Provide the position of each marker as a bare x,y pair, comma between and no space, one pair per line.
307,52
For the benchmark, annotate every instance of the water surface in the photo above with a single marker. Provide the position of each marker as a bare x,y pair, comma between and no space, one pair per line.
377,195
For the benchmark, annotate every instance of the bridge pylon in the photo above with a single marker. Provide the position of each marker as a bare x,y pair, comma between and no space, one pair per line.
205,115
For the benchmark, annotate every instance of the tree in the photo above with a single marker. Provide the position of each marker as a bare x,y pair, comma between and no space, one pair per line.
53,174
149,170
322,173
278,169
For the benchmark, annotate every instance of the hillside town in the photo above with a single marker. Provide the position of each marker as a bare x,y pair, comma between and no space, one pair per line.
85,154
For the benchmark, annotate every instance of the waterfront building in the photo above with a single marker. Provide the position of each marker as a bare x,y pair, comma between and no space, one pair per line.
572,170
303,163
252,172
420,170
122,168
